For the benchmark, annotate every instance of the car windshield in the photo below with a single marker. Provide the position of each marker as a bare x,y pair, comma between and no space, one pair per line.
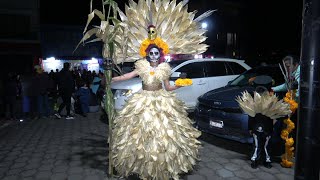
243,79
175,63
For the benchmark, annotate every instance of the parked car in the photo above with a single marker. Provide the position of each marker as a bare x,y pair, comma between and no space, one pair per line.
218,113
206,74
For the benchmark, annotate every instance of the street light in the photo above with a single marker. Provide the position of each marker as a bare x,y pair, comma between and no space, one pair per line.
204,25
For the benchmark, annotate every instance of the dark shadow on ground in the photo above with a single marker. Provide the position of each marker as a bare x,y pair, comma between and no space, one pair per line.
104,117
235,146
95,153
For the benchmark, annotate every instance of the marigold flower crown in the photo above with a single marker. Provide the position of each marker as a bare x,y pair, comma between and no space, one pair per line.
157,42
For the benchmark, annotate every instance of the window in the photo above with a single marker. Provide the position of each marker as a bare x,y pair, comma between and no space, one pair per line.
236,68
231,39
215,68
175,63
272,71
193,70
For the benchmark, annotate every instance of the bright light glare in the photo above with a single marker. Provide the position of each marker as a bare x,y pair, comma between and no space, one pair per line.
51,63
94,60
204,25
198,56
167,58
93,67
50,59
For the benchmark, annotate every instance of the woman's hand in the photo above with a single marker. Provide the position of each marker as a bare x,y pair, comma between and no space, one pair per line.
169,87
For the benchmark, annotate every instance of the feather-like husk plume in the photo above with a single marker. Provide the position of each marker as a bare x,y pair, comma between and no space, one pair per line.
175,26
266,104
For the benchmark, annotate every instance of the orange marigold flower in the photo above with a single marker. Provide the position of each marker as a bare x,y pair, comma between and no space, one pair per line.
288,95
286,163
183,82
284,134
286,99
158,42
290,126
289,142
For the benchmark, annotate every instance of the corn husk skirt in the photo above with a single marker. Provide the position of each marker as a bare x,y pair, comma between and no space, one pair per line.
153,137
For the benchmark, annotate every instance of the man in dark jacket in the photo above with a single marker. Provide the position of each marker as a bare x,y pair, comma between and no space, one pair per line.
66,88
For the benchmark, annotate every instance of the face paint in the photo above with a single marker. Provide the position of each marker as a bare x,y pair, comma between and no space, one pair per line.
152,33
154,54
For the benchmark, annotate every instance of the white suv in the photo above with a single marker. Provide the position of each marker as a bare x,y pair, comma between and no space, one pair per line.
206,74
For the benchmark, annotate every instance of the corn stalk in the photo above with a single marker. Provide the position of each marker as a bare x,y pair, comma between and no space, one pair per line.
106,33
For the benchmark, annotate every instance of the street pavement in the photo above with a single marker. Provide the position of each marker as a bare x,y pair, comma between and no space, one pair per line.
60,149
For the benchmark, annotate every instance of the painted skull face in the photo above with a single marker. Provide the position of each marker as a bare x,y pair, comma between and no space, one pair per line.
152,33
154,54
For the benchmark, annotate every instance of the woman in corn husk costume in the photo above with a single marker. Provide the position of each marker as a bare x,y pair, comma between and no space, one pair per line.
152,135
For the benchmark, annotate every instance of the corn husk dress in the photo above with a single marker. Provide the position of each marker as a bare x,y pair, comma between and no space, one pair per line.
152,135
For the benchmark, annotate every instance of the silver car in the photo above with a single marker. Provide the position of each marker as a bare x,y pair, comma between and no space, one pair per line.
206,74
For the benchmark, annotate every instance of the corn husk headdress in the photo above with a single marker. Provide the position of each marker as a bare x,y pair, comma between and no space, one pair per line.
266,104
177,29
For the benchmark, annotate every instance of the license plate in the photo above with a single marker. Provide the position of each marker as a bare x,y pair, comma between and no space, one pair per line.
218,124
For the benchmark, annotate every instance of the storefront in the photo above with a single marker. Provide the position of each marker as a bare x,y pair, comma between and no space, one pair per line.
93,64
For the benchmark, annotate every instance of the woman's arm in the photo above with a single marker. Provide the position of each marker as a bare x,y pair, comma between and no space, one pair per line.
169,87
125,76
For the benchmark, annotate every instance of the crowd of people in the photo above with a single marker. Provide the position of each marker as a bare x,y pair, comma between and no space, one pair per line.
41,94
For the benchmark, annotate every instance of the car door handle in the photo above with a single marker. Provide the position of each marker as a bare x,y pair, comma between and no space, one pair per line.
201,83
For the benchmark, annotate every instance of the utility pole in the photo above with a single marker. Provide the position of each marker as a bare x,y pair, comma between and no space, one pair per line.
308,137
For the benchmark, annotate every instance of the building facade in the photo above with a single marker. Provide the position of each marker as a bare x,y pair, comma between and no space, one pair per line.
19,35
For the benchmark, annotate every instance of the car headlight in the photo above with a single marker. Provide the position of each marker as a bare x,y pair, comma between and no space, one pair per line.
122,92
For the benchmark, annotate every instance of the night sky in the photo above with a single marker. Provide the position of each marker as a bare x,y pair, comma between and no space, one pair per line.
273,25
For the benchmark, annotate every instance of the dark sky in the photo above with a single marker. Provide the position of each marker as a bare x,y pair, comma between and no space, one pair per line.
272,24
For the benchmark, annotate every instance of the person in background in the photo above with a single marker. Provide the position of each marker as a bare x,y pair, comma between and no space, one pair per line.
51,74
95,84
26,84
18,108
43,100
292,67
10,94
65,88
83,95
94,74
2,102
102,86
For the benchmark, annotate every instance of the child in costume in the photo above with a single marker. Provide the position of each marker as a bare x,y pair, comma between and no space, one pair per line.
263,108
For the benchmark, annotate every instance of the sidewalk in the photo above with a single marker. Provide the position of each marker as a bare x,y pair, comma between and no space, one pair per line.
77,150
